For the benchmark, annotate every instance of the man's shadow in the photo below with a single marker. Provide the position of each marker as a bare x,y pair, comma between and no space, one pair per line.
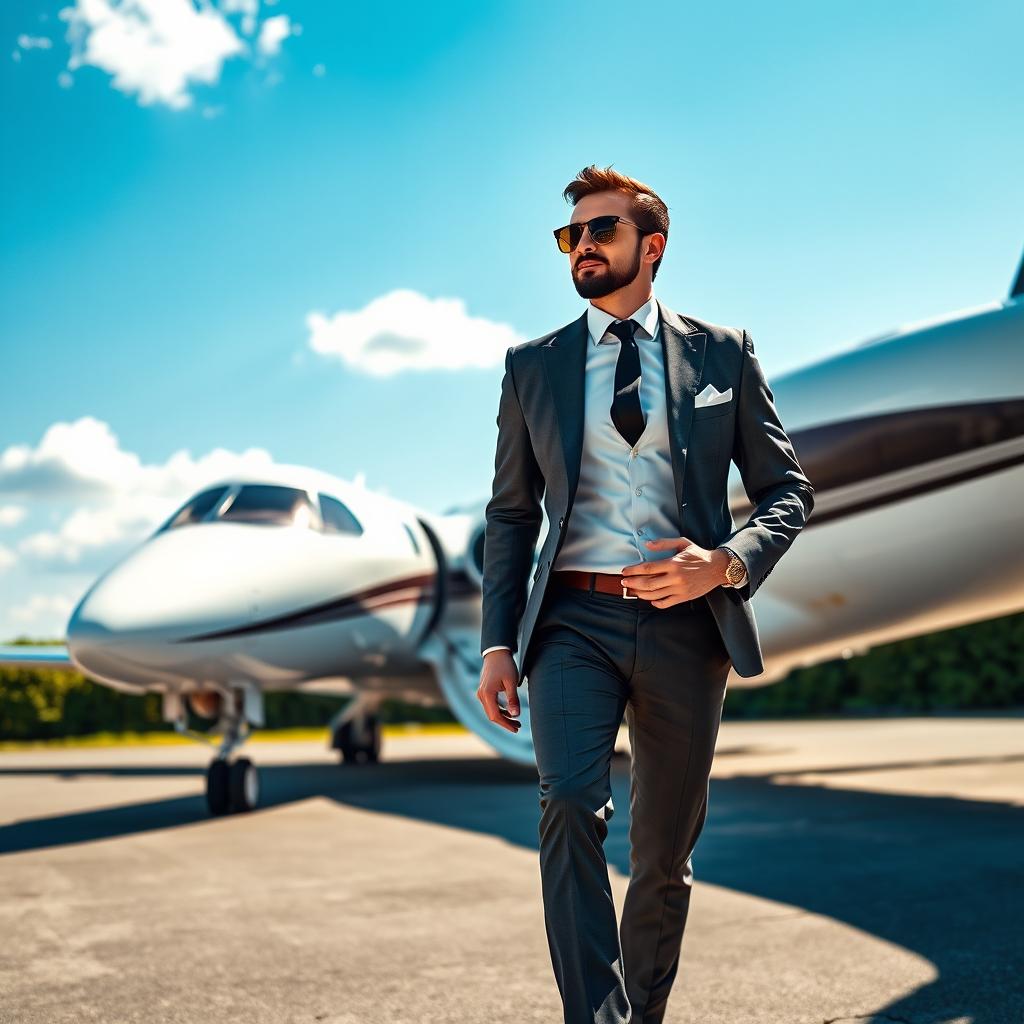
940,877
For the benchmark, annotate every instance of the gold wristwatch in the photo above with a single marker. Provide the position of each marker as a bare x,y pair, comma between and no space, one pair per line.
735,569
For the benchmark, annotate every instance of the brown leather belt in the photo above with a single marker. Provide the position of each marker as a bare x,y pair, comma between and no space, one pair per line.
606,582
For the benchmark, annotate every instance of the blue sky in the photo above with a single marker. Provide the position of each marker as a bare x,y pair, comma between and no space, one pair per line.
208,223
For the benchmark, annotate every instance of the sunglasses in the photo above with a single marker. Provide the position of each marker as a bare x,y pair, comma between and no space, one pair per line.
602,231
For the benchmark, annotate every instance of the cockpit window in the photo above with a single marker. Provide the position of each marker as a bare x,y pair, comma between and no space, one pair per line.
271,503
336,517
195,509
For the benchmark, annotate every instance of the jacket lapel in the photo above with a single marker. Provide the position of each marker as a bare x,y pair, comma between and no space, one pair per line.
565,356
565,365
683,347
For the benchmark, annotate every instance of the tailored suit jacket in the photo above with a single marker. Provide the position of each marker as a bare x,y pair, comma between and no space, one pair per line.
537,459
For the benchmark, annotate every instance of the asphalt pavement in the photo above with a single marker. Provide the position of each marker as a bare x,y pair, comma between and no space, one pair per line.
865,870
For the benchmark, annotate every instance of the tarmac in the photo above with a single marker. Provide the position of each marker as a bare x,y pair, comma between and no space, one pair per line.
849,870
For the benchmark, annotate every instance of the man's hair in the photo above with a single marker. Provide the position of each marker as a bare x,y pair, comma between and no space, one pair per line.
647,207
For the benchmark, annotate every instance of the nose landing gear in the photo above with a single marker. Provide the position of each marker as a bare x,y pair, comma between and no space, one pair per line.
231,785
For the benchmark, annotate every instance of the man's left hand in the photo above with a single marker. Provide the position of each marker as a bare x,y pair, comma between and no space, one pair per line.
691,572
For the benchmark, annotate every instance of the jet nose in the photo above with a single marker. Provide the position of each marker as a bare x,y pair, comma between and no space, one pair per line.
100,654
119,631
176,584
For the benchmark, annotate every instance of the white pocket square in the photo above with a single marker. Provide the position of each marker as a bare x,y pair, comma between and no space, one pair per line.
712,396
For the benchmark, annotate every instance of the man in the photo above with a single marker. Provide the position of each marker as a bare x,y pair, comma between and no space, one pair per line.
624,423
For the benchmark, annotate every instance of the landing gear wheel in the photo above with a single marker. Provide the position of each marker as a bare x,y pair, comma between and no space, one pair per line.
243,785
218,797
356,749
372,747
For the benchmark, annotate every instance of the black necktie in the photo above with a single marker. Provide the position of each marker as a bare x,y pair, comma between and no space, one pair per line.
627,415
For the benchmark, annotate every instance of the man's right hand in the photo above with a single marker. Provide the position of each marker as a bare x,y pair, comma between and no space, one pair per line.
498,675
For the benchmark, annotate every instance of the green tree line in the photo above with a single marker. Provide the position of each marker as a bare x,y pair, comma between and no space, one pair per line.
979,666
974,667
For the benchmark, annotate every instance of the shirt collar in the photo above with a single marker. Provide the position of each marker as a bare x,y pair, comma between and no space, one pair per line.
647,316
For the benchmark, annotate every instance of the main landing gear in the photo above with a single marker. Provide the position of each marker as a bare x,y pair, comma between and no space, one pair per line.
356,732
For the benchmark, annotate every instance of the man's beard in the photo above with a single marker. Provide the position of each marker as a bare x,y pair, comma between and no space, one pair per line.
604,282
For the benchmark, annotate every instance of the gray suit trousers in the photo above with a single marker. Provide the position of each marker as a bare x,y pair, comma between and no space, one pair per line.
593,657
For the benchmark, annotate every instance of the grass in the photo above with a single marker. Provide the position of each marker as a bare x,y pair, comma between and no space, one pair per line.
151,739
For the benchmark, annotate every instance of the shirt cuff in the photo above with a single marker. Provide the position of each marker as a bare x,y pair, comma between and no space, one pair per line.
500,647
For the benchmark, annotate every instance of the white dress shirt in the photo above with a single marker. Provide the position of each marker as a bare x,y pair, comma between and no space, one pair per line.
626,493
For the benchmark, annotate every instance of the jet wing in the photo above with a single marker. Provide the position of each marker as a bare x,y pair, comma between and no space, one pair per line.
36,656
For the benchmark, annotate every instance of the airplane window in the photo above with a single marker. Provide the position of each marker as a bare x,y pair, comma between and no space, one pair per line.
337,518
270,503
195,508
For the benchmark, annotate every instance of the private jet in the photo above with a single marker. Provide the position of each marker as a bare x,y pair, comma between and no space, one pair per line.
294,579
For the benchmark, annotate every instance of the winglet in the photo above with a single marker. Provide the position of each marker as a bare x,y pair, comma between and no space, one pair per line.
1018,285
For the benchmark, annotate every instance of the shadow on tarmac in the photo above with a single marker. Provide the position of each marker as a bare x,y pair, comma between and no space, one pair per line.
940,877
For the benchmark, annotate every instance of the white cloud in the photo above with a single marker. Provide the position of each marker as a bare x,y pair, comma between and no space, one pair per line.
72,460
117,499
248,10
27,42
7,558
404,330
273,32
154,48
95,536
11,515
54,608
158,50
